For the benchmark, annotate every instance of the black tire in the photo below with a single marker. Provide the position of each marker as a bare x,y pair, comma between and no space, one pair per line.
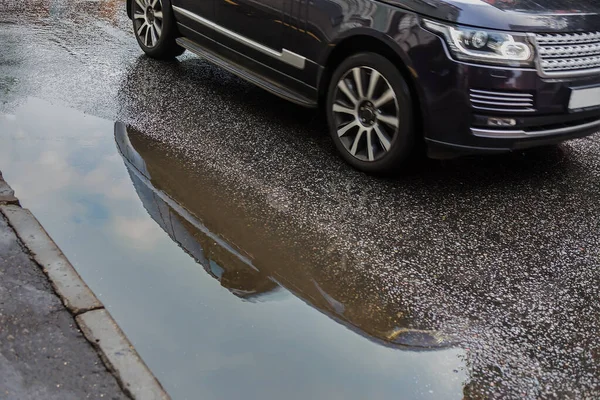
165,48
395,146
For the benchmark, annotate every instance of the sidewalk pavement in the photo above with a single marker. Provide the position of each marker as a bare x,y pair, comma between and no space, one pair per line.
43,305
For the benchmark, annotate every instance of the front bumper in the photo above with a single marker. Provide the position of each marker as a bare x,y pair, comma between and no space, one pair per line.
453,123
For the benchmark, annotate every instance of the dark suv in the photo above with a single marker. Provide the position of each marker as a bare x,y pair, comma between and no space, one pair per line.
465,76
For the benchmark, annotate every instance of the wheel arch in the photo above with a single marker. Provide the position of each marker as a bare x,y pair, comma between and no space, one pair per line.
365,40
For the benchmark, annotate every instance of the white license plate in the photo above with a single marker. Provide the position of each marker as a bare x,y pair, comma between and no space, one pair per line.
584,98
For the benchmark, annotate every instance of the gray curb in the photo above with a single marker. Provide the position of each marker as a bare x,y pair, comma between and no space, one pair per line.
93,319
120,356
74,293
7,195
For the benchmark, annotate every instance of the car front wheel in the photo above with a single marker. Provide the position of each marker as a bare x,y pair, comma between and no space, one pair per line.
370,114
155,28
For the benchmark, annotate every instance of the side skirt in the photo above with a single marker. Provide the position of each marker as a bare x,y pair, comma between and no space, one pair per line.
244,72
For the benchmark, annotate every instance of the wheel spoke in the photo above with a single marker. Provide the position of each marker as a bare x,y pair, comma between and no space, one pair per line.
146,36
344,88
138,16
370,145
343,130
139,32
153,36
365,94
358,81
356,140
158,15
383,139
158,29
141,4
153,5
342,109
387,96
372,84
388,119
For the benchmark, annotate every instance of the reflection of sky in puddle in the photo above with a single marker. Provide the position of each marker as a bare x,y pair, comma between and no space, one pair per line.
199,340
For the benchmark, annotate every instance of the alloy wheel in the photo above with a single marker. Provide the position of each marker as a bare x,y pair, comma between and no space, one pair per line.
148,21
366,113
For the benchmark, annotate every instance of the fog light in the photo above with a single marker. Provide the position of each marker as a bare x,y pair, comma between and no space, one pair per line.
501,121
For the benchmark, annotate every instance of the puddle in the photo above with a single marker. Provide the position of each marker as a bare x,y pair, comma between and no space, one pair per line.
218,290
251,245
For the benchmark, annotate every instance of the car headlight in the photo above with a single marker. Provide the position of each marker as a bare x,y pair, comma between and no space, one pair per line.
485,46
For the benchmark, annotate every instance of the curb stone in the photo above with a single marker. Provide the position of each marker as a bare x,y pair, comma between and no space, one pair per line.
73,292
119,356
7,195
97,325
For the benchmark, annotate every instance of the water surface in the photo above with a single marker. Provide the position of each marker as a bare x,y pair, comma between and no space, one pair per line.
220,297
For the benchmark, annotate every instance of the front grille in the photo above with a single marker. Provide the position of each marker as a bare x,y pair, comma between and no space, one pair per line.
510,102
568,53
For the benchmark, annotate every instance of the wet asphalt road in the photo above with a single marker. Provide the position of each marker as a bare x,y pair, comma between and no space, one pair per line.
498,253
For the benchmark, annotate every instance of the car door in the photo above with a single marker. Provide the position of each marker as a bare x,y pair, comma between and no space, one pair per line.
201,8
258,26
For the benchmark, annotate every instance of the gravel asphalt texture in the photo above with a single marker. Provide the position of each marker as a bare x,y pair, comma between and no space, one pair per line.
500,253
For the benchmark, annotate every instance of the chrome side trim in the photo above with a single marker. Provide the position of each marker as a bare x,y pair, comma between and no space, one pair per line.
285,56
519,134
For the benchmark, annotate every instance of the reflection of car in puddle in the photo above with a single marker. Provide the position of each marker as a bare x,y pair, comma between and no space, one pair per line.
190,213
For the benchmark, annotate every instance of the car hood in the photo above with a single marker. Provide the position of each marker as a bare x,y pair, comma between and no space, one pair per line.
515,15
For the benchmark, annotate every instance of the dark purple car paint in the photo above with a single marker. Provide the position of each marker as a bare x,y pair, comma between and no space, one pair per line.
441,85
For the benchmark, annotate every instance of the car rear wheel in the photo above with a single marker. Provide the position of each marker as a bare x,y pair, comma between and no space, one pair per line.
370,114
155,28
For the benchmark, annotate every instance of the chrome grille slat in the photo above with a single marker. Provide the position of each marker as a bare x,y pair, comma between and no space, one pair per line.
571,64
493,103
567,38
568,53
501,101
478,97
487,92
506,110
